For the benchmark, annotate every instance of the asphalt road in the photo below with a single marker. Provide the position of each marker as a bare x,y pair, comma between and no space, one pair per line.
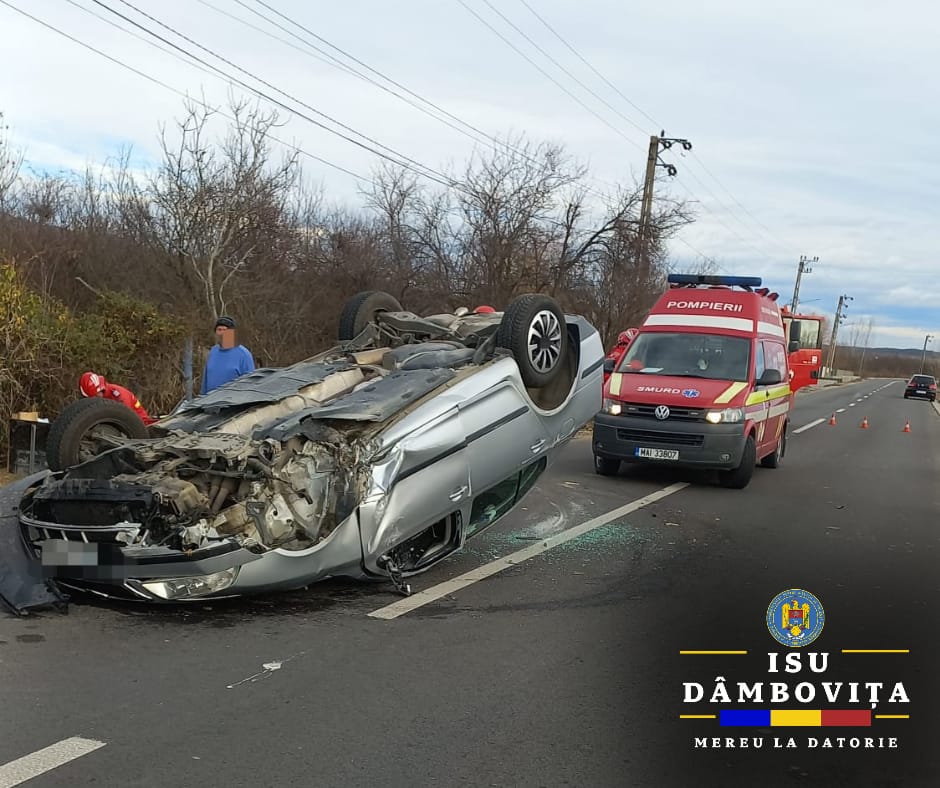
562,670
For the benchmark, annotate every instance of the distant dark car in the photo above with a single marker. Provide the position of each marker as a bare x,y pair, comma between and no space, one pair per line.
921,386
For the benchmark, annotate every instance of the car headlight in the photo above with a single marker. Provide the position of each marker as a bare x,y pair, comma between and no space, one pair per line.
612,407
197,585
727,416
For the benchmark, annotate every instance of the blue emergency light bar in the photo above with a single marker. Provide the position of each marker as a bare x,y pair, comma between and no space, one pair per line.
703,279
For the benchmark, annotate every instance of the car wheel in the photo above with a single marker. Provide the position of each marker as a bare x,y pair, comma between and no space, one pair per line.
71,436
361,309
740,477
773,460
533,329
606,466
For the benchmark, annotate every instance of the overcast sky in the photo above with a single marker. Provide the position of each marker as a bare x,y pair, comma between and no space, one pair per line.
814,125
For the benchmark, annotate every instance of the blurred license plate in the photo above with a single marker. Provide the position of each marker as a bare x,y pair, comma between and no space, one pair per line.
63,552
658,454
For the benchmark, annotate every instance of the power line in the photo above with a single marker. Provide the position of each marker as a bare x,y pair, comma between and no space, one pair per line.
717,217
359,62
702,254
564,70
550,77
597,115
417,167
577,54
610,84
269,34
217,71
310,50
766,229
332,60
140,37
162,84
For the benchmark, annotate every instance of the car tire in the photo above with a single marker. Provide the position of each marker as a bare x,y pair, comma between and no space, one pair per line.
740,477
361,309
64,445
540,318
604,466
773,460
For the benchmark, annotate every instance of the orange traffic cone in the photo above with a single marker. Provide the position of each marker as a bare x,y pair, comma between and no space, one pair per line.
907,426
865,423
832,420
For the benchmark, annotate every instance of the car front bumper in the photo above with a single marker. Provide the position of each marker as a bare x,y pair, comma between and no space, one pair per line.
699,444
38,561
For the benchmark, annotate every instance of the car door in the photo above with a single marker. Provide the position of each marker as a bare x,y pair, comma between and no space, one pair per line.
432,482
757,406
503,435
778,395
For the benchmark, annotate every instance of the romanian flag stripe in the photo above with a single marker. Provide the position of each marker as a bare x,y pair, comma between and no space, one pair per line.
795,718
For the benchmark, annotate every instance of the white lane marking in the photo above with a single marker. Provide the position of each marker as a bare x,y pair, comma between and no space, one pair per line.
45,760
851,404
433,593
808,426
841,410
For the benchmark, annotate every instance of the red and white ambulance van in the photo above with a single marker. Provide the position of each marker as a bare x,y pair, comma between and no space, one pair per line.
708,381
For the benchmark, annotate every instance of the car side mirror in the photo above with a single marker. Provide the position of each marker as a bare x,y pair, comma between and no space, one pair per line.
770,377
608,365
795,331
793,346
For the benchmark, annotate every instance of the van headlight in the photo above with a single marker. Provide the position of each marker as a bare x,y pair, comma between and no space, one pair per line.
727,416
195,586
612,407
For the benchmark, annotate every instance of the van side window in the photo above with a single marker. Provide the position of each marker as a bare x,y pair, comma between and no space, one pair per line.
759,361
775,357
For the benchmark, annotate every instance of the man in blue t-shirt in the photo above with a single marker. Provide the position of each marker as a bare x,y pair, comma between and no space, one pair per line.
227,359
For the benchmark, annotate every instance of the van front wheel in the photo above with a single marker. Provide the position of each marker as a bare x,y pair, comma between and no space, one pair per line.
773,460
740,477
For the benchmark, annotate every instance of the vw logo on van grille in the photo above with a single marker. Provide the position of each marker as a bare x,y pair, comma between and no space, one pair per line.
662,412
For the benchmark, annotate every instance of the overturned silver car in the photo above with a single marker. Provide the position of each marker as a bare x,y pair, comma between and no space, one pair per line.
375,459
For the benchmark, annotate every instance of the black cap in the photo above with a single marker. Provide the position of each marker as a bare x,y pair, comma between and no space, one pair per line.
225,321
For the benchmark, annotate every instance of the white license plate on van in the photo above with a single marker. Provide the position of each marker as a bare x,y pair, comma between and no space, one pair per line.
658,454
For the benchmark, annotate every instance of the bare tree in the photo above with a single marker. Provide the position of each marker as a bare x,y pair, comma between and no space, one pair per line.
396,197
10,162
508,206
213,208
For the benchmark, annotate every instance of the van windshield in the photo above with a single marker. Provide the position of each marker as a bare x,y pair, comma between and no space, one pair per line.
711,356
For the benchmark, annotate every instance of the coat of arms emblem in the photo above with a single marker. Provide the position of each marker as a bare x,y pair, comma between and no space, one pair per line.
795,618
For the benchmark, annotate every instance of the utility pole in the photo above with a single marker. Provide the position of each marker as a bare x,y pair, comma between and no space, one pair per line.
799,276
646,208
835,328
923,358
